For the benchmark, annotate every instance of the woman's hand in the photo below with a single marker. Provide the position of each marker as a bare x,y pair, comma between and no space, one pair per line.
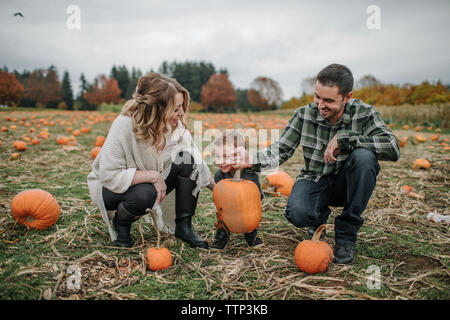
154,177
212,184
160,186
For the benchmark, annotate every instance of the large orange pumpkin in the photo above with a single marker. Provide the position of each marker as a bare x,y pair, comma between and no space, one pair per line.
158,258
313,256
238,203
35,208
282,182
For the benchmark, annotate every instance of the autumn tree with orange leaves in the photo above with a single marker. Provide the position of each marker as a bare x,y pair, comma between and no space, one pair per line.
11,89
265,94
103,90
43,87
218,93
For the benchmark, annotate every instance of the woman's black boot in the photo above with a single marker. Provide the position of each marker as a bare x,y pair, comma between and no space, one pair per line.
122,225
185,204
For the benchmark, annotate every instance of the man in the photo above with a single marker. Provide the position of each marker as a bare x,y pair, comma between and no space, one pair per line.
342,140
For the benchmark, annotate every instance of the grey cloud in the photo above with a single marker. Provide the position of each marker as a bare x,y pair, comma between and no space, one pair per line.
285,40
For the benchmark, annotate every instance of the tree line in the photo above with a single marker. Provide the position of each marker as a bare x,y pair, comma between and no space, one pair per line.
372,91
209,87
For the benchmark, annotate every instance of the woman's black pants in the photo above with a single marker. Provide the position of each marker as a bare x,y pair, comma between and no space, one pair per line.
141,196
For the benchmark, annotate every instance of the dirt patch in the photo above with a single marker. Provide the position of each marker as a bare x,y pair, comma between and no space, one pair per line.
97,275
417,263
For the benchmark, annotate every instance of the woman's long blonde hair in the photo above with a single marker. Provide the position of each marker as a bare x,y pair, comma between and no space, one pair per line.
152,106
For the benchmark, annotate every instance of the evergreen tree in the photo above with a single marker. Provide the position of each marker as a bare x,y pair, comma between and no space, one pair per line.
136,74
67,93
242,102
84,87
191,75
23,77
122,76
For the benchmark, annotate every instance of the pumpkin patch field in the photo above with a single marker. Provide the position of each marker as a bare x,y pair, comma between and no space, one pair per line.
400,254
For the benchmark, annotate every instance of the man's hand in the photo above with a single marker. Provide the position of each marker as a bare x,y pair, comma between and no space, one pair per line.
331,151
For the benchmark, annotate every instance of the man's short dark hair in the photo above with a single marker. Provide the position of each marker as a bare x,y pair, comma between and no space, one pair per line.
337,75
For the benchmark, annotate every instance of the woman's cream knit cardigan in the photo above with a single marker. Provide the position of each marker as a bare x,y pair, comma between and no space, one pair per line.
122,154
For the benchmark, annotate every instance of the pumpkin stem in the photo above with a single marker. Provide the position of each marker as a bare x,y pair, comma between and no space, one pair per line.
318,232
156,227
237,175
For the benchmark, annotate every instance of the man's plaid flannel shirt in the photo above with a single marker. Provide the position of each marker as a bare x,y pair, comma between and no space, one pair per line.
360,126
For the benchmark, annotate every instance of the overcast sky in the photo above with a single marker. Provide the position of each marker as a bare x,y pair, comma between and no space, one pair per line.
284,40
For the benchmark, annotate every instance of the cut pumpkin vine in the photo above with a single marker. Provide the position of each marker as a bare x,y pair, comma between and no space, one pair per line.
158,258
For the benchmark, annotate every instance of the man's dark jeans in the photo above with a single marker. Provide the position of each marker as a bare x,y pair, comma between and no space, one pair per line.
351,188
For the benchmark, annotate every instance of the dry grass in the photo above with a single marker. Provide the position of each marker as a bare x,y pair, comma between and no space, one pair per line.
412,253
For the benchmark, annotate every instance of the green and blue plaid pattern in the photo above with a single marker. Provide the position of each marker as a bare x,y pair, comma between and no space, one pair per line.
360,126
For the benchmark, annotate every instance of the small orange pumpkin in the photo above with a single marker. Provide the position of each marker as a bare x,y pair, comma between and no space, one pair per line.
158,258
238,203
282,182
44,135
434,137
99,141
35,208
85,129
95,151
406,189
313,256
402,142
421,164
63,140
419,138
14,156
20,145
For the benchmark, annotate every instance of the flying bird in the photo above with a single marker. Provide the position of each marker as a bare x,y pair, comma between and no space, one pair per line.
18,14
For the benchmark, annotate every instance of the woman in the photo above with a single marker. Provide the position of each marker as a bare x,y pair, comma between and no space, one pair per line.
148,152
